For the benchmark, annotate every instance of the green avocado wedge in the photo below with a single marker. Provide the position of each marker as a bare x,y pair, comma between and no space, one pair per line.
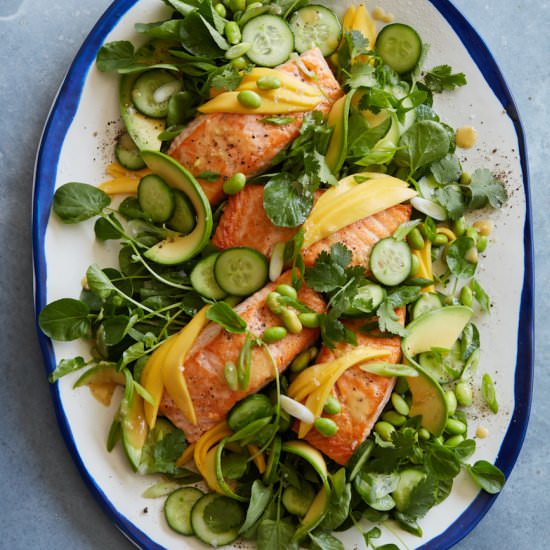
178,248
338,118
133,425
438,328
143,130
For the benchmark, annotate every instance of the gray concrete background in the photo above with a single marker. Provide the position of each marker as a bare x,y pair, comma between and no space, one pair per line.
44,502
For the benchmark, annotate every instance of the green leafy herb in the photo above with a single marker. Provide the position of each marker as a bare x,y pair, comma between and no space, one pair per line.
487,476
115,55
480,295
441,78
451,197
276,535
447,169
456,257
488,392
404,229
66,366
259,499
485,188
325,541
227,79
75,202
388,320
65,319
227,317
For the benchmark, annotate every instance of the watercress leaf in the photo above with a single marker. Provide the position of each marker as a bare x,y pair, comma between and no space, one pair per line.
389,546
259,499
227,317
487,476
216,35
480,295
338,510
276,535
131,354
115,55
115,329
75,202
485,188
425,112
372,534
105,230
196,37
361,137
66,366
99,282
162,30
184,7
379,155
424,142
325,541
442,462
286,203
441,78
455,257
65,319
447,169
465,449
452,199
408,524
488,393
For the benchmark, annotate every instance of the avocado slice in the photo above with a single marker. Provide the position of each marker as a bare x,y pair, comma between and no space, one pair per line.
310,454
438,328
133,426
338,118
315,513
143,130
178,248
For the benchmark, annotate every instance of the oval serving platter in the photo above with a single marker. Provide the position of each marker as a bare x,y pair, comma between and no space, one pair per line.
76,146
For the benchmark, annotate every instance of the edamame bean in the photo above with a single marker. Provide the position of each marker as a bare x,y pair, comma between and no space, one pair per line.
273,303
230,374
472,233
249,99
237,5
464,394
415,265
274,334
466,296
455,427
309,320
440,240
239,63
394,418
450,397
291,321
234,184
401,386
482,244
459,226
472,255
238,50
465,178
325,426
268,83
300,362
220,10
399,404
439,440
415,239
332,406
424,434
454,441
288,291
384,430
232,32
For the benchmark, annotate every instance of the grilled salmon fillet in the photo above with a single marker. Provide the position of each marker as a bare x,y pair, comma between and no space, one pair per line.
245,223
204,365
363,395
226,143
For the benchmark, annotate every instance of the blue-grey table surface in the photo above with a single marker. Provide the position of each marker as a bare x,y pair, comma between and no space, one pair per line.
44,503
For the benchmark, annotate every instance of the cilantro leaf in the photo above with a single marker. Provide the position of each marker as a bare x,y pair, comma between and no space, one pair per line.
327,273
362,75
452,199
441,78
485,188
388,320
228,78
447,169
422,498
333,330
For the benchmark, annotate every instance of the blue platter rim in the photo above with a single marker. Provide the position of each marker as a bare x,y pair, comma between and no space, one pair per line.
59,120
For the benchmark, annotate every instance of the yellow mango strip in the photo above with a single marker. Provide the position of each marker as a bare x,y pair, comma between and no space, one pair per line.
259,459
123,182
205,456
172,375
152,381
364,23
313,377
273,102
425,270
186,456
360,202
317,399
116,170
449,233
288,82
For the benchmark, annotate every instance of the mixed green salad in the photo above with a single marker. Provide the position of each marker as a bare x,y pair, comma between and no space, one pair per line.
262,482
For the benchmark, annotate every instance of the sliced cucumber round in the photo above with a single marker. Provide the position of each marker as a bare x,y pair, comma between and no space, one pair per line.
316,26
390,261
271,38
241,271
216,519
156,198
152,92
184,218
399,46
177,509
127,153
427,302
203,280
366,301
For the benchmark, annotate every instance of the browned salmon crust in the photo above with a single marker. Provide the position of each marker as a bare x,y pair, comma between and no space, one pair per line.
363,396
245,223
226,143
204,365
